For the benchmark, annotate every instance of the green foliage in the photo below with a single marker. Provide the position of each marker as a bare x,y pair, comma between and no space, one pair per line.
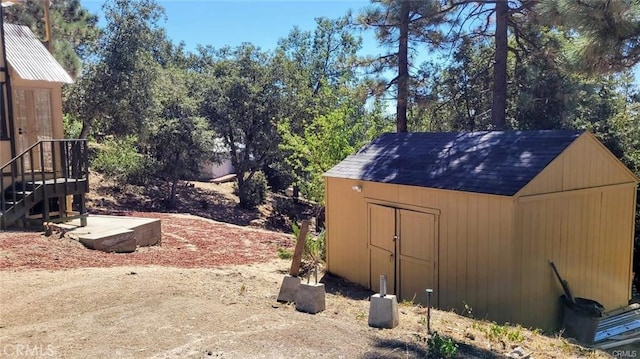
515,335
604,33
284,253
324,142
178,146
115,95
71,126
496,332
241,101
315,247
441,346
119,161
254,191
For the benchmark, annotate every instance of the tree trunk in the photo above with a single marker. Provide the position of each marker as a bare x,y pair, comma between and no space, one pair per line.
403,68
172,196
86,125
498,111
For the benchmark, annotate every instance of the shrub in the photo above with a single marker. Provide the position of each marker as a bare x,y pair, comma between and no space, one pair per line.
72,126
120,161
253,192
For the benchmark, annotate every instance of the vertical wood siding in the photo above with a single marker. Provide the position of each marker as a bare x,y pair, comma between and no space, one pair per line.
474,256
586,163
589,236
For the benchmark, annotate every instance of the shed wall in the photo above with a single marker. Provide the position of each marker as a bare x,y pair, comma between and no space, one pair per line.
586,163
475,252
588,235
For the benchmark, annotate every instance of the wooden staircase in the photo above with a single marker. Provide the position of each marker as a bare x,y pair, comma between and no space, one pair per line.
35,184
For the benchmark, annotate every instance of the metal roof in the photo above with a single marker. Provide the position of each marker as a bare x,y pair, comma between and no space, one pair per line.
29,58
494,162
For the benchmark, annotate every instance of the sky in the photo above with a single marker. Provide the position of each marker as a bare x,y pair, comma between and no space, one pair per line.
260,22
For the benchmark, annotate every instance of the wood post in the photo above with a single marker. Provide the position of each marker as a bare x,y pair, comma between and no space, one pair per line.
297,254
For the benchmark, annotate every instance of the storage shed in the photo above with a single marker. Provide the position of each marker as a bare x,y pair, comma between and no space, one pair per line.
478,216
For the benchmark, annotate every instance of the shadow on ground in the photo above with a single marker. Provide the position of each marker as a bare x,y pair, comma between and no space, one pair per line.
277,215
339,286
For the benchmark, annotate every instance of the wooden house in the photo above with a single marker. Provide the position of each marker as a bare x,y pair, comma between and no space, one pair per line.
477,217
41,171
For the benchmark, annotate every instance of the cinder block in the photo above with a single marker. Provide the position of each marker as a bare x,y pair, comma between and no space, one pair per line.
383,311
289,289
310,298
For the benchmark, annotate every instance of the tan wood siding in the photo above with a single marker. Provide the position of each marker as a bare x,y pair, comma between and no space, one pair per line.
589,236
346,220
474,247
584,164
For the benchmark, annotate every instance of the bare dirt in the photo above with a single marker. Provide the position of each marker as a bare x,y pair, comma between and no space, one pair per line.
208,291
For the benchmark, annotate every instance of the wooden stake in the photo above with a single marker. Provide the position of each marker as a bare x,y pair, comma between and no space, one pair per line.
297,254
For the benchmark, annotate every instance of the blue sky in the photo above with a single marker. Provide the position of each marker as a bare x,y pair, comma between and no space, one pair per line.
261,22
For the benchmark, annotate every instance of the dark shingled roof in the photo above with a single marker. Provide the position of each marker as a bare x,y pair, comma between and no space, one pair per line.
494,162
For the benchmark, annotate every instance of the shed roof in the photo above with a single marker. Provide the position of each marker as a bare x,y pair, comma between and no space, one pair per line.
29,58
493,162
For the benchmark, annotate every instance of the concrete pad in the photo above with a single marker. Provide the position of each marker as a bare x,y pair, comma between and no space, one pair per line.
117,240
146,231
310,298
383,311
288,289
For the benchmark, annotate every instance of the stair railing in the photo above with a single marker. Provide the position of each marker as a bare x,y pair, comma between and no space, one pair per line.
56,161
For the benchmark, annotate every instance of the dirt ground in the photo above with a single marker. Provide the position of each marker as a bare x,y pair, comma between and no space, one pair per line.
208,291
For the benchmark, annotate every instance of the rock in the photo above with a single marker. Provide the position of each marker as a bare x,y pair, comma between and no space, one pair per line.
518,353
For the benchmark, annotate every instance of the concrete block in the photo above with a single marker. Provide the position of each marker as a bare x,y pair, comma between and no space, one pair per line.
310,298
288,289
383,311
117,240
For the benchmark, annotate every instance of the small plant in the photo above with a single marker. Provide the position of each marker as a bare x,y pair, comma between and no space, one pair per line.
408,302
468,310
496,332
441,347
242,290
515,335
284,253
313,246
361,315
